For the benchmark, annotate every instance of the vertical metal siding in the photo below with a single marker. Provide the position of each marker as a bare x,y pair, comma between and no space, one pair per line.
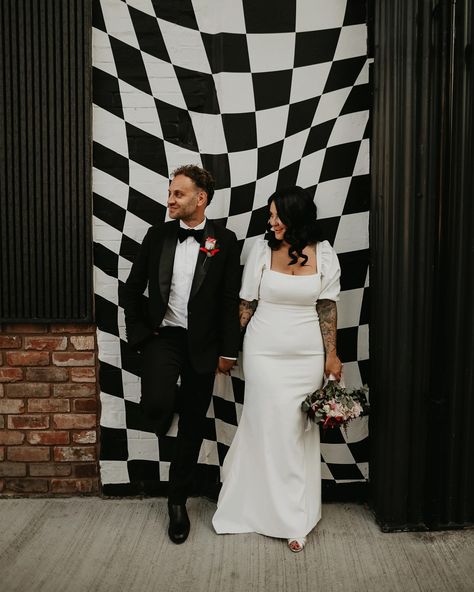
452,489
45,152
421,272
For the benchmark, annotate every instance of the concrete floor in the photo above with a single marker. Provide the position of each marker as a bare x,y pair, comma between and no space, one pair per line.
90,544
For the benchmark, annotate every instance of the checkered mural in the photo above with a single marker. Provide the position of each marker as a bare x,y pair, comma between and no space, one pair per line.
264,95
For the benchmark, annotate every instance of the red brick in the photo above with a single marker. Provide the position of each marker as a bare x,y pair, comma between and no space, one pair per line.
71,421
12,406
83,342
27,389
85,405
49,470
46,374
8,469
87,470
74,485
10,341
10,437
28,453
74,453
28,422
26,485
83,374
2,422
2,453
70,328
11,374
48,405
84,437
25,328
27,358
46,343
74,358
48,438
74,390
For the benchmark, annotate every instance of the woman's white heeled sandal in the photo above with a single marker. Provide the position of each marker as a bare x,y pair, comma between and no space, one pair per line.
296,545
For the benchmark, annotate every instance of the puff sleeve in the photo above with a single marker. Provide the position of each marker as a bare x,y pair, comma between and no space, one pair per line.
330,272
253,269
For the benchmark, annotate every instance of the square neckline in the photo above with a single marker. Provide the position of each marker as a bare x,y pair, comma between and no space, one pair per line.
311,275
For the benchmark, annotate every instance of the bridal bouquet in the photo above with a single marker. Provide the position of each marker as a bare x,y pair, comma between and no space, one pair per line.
334,406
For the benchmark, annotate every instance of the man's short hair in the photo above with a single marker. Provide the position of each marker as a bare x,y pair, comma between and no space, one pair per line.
202,178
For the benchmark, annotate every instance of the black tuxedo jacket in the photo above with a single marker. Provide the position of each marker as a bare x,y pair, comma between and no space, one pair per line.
213,319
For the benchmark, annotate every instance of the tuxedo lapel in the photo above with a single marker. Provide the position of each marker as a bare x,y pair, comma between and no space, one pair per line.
167,260
203,261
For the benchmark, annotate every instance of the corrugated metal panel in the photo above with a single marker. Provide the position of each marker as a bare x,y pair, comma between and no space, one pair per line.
451,440
45,156
421,273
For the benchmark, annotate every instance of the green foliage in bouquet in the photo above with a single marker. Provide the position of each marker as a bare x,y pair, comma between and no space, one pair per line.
334,406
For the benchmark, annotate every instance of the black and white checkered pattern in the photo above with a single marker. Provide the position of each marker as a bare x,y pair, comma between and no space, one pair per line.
264,98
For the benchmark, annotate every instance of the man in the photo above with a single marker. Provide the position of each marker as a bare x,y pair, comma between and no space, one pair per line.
189,326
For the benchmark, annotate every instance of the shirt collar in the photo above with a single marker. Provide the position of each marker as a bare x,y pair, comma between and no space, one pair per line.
198,227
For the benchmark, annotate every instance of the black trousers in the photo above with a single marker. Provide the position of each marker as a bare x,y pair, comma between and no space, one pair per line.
165,358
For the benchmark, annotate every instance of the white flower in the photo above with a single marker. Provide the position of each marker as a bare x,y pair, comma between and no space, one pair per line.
210,243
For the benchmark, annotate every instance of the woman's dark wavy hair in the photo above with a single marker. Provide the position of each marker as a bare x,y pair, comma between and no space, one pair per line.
297,210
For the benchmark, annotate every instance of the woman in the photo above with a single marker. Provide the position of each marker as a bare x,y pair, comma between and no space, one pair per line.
272,471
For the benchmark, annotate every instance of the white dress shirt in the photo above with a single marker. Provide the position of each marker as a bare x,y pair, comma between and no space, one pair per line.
185,260
181,281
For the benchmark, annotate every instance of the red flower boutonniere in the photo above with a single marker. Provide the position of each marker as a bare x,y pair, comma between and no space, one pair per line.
210,246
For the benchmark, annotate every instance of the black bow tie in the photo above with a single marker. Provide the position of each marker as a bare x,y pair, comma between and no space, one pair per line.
184,233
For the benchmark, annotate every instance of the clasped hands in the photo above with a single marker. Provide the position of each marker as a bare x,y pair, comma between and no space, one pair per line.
224,365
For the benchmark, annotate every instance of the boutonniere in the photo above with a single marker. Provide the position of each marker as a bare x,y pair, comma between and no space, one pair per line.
210,247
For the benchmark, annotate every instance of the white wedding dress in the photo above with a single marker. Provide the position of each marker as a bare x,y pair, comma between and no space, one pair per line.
272,471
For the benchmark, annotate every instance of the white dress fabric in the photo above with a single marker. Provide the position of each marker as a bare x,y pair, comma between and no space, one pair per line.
272,471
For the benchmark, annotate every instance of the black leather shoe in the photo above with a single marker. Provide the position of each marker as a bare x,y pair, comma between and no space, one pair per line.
179,523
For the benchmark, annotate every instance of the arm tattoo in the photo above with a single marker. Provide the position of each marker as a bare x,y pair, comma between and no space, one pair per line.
327,313
246,310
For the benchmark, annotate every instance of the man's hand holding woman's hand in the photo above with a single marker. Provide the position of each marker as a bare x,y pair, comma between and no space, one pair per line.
224,365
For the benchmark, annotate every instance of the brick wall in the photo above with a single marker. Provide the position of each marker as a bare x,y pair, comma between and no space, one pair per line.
48,409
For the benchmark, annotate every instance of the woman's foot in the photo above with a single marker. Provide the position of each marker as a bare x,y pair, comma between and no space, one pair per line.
296,545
